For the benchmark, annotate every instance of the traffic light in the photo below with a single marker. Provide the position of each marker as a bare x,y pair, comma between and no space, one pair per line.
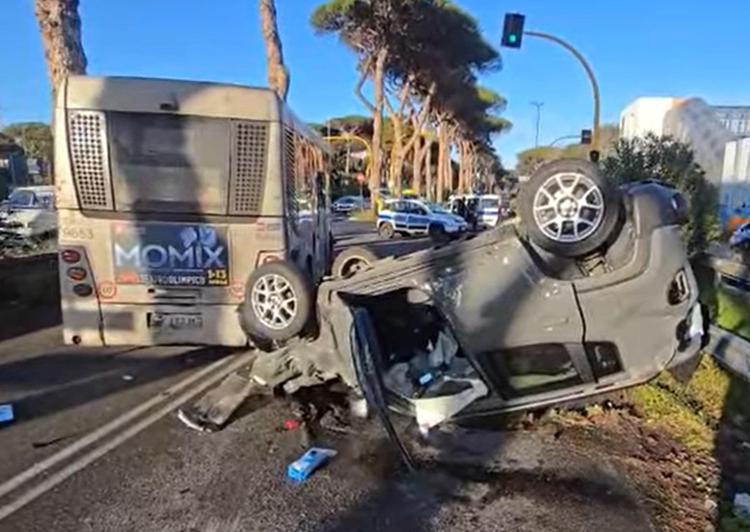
513,30
586,136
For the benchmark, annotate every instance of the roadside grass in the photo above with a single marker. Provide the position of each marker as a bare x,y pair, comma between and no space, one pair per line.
709,414
692,412
733,312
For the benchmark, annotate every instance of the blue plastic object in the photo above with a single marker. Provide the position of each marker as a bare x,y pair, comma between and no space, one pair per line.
6,413
303,468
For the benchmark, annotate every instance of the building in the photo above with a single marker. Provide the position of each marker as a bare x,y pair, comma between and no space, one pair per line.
718,135
689,120
735,118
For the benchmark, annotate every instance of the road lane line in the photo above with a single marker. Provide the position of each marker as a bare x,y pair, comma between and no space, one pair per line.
118,440
104,430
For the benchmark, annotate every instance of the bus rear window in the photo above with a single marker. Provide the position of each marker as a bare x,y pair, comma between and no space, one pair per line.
168,163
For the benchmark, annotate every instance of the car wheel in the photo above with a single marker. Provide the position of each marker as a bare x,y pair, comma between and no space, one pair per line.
278,302
569,208
437,234
352,260
385,230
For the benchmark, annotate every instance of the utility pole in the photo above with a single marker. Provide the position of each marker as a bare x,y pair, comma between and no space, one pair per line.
538,106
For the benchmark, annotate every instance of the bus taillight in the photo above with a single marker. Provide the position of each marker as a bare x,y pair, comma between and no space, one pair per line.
70,256
76,273
83,290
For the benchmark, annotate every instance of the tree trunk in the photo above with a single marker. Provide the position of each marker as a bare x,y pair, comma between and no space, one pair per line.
429,185
60,26
416,168
377,126
443,154
278,74
348,163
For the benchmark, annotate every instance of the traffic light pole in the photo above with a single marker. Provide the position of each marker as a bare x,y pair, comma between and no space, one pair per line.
589,72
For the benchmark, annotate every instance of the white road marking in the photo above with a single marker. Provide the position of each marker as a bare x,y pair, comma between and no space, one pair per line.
39,468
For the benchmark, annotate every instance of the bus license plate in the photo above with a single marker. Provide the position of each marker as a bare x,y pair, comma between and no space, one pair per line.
176,321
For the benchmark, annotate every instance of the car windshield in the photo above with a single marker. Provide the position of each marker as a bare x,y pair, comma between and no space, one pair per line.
489,203
437,208
21,199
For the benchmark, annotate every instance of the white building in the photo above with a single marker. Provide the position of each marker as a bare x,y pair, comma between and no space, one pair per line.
689,120
719,137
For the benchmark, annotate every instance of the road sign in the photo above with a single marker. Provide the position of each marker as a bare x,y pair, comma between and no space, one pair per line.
586,136
513,30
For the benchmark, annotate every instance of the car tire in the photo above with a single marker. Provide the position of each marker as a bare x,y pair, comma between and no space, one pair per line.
278,302
569,208
437,234
385,230
352,260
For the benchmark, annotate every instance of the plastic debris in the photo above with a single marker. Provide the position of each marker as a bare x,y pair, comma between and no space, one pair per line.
303,468
435,409
742,505
292,424
444,350
6,413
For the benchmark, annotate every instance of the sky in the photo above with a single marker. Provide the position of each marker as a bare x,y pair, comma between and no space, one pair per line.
637,48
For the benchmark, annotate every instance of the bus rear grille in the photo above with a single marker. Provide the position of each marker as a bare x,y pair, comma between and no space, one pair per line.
89,161
249,149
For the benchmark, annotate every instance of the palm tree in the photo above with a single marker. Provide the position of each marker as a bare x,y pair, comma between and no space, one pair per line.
278,75
60,26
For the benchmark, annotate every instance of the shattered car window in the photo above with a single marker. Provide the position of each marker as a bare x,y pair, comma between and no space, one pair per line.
22,199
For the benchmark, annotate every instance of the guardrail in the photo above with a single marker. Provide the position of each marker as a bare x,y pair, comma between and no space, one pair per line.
730,350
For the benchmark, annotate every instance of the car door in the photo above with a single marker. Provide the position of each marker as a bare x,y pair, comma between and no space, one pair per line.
400,216
419,219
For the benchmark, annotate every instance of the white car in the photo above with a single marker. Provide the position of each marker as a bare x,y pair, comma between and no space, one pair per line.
29,212
347,204
417,218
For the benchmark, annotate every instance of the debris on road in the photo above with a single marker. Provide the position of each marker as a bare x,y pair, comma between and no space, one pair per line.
53,441
127,377
6,413
302,468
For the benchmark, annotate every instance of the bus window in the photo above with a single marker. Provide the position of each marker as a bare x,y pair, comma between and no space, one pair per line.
169,163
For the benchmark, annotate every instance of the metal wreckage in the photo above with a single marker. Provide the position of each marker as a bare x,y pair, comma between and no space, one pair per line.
590,293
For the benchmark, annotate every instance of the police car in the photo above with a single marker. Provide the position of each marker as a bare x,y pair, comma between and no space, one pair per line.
417,218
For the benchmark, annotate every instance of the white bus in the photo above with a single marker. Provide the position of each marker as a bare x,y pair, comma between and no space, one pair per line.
189,213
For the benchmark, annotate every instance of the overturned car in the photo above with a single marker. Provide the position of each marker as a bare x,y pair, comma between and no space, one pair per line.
590,293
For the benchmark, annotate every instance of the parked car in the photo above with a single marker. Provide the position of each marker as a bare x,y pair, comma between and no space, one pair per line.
29,212
589,293
412,217
348,204
740,239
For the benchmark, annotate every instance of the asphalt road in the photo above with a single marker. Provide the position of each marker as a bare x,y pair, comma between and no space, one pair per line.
96,447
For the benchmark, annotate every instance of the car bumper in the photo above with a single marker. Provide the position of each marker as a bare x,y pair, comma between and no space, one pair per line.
455,230
695,337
